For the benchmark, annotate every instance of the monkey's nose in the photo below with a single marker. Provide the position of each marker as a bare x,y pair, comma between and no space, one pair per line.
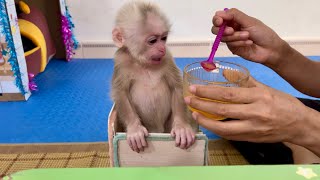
162,51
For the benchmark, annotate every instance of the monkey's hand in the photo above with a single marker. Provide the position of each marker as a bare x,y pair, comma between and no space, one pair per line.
184,134
136,137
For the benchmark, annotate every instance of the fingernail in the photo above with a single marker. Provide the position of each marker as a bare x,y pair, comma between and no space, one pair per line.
187,100
192,89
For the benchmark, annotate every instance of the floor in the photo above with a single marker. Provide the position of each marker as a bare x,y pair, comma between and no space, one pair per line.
73,102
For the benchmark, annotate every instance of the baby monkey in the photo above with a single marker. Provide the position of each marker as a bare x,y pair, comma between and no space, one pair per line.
146,83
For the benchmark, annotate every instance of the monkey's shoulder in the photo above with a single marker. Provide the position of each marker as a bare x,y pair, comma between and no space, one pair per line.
122,58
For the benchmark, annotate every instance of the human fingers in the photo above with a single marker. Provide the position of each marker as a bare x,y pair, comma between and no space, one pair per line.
231,35
224,129
235,111
234,15
228,31
226,94
240,43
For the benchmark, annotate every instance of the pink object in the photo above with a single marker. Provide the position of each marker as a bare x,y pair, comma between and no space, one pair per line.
208,65
32,85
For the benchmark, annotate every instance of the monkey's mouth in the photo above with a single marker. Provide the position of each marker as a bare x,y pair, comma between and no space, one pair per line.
156,60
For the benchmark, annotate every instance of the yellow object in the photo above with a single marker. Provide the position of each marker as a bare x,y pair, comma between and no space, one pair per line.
24,7
31,51
32,32
308,173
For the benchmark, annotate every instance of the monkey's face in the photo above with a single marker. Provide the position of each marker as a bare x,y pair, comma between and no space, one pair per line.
155,48
145,39
149,49
154,40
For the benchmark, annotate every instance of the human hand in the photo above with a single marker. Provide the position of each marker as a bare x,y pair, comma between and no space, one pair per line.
249,38
262,114
136,137
184,135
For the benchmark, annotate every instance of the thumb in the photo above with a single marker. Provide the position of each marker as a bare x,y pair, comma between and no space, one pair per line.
240,78
252,82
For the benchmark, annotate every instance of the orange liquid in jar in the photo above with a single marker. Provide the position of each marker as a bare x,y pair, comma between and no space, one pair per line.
209,115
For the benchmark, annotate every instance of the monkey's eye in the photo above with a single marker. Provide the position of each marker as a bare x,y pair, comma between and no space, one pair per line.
152,41
164,38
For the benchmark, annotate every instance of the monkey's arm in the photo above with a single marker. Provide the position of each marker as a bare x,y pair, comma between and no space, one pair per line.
179,108
126,112
183,129
120,95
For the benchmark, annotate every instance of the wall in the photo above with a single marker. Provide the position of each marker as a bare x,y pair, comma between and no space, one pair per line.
294,20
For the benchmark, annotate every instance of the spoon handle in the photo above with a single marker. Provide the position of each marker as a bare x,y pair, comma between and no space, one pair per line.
217,40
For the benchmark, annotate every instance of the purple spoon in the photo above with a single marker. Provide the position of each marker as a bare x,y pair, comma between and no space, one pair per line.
208,65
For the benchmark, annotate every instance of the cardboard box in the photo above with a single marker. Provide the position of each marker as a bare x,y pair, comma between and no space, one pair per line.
161,150
13,80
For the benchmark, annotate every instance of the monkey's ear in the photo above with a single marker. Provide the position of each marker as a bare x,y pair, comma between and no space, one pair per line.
117,36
